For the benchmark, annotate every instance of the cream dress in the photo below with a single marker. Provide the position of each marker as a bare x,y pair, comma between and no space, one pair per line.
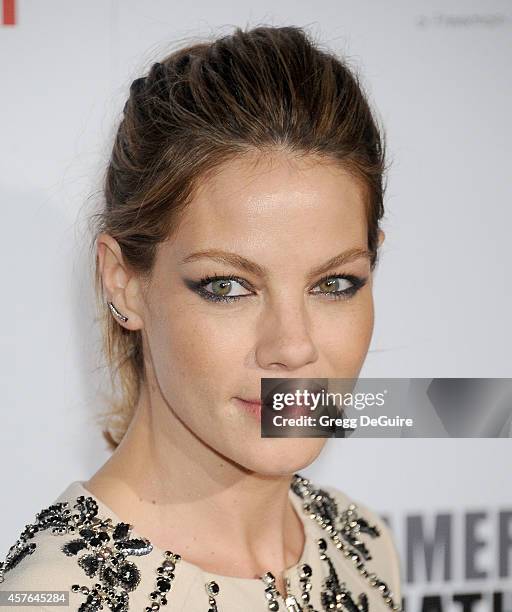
79,546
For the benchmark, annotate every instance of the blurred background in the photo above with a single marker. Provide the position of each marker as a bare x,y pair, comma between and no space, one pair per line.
438,75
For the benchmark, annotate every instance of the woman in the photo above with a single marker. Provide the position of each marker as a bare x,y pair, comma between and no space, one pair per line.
237,242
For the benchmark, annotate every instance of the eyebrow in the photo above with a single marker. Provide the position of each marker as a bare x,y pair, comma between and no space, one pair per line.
252,267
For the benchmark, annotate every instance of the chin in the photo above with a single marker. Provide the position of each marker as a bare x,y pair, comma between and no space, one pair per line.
280,456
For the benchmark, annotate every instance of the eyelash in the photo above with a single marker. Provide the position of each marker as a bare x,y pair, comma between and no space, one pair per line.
357,283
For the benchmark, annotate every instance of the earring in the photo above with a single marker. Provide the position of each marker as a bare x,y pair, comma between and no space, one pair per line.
117,313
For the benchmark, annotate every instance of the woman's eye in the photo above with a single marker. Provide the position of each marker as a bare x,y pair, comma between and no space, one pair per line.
340,286
223,287
219,288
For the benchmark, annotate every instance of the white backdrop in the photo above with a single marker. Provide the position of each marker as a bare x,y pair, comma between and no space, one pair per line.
439,75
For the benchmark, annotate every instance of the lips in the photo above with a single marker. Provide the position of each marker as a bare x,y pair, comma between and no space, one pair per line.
253,408
289,385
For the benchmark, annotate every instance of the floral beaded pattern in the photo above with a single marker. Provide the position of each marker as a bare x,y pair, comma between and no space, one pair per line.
55,517
102,549
105,548
335,595
344,529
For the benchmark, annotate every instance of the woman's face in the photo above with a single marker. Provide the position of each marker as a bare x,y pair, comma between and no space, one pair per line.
267,230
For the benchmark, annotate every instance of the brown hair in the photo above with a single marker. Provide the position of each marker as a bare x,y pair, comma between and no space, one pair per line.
253,90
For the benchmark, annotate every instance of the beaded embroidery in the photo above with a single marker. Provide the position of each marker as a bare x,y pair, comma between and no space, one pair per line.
105,548
343,529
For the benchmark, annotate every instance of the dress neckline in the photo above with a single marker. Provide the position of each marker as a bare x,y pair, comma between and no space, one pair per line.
77,488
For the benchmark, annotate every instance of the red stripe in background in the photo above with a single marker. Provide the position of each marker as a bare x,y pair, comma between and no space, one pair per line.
8,12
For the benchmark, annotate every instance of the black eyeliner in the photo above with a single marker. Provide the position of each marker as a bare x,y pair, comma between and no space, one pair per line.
198,287
358,282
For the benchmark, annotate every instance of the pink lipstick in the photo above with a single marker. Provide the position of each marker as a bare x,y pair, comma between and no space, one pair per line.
251,406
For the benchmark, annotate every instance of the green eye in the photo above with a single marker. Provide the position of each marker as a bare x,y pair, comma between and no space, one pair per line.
332,285
221,287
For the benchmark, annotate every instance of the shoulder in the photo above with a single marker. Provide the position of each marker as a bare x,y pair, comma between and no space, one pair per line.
374,535
37,562
70,548
98,562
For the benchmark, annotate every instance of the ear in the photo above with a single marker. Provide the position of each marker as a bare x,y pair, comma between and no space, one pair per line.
381,238
120,285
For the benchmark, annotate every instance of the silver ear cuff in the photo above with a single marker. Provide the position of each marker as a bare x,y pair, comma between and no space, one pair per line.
116,312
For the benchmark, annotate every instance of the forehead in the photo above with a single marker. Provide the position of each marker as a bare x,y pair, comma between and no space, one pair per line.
275,201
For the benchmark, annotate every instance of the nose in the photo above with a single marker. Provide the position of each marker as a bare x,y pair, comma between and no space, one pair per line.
284,340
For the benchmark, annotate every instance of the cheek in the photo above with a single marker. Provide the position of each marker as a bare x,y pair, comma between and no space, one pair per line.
346,335
195,348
